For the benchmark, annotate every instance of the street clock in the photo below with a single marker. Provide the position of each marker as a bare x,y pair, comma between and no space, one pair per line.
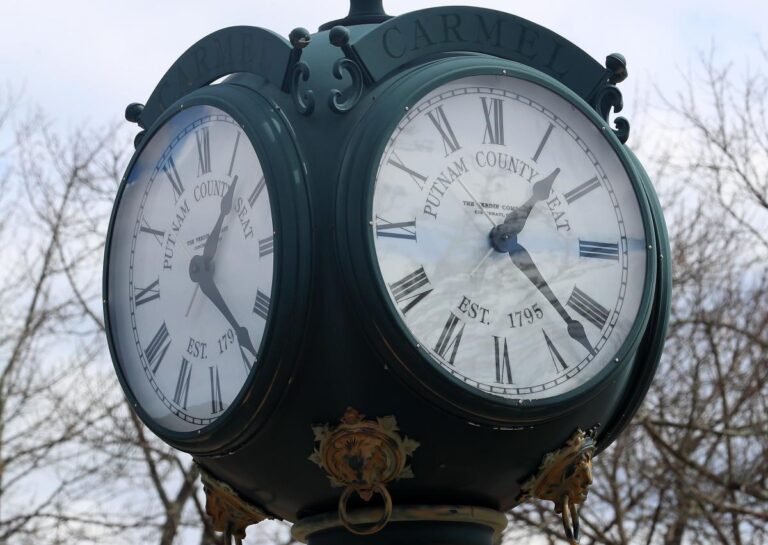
207,218
389,279
510,241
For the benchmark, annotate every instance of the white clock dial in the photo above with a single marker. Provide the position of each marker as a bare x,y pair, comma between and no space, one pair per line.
190,269
545,303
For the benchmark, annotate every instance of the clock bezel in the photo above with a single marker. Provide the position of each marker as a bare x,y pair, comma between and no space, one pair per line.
271,137
382,322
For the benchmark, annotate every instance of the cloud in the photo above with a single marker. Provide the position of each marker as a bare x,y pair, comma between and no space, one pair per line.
83,60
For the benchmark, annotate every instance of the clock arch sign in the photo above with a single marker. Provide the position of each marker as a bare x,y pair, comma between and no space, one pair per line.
387,280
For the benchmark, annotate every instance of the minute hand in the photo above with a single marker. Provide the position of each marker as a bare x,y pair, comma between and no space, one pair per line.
205,279
523,261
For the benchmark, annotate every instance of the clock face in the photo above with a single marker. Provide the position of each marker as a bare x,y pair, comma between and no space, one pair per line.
509,237
190,269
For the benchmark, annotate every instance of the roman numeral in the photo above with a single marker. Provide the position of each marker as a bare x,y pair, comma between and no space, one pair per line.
599,250
543,142
203,151
494,121
266,246
145,295
503,366
450,143
234,153
557,359
418,179
450,338
217,405
588,308
247,361
411,289
580,191
182,384
261,306
145,228
157,347
404,229
257,191
173,176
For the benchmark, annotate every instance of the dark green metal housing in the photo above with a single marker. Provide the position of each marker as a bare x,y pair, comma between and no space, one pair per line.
319,110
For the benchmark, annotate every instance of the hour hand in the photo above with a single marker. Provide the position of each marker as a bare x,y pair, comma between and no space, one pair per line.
519,215
209,250
503,236
523,261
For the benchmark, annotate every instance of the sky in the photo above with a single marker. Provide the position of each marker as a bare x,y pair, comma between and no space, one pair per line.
83,61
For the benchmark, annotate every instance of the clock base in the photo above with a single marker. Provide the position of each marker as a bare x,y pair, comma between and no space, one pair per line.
409,524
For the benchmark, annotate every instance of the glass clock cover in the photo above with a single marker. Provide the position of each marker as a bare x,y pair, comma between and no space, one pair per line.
190,269
509,237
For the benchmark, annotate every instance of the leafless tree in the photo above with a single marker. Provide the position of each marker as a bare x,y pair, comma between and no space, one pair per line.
76,464
693,465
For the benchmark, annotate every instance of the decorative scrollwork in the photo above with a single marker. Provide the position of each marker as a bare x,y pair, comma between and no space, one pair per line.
563,478
622,129
303,100
343,101
607,99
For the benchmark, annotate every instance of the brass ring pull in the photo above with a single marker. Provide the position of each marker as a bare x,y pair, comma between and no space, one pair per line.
365,529
570,520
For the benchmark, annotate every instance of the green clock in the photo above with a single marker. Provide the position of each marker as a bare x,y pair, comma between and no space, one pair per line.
508,236
425,225
203,263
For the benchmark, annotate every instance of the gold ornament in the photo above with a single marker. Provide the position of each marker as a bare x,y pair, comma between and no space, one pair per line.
229,513
563,478
363,456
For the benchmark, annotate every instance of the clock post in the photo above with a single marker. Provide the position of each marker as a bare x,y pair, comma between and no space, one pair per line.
388,280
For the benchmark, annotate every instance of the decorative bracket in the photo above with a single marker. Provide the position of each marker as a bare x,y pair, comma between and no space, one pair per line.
343,101
229,513
298,71
363,456
609,97
563,478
